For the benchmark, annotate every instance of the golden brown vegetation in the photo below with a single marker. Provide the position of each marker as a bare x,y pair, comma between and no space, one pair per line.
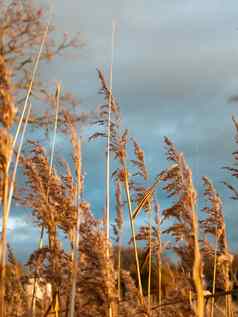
94,277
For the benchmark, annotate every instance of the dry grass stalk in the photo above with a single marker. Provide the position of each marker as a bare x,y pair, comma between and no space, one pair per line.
5,154
7,114
76,142
214,225
158,253
14,173
145,199
110,108
118,230
185,231
108,174
150,262
197,266
7,199
127,190
214,277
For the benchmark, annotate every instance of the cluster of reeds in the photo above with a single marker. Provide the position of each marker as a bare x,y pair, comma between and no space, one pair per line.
8,112
88,274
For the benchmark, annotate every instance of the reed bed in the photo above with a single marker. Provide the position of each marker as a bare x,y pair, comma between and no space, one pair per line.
99,274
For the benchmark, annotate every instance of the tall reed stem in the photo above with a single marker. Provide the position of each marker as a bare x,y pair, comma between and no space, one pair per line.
75,257
79,187
3,243
214,277
158,255
150,260
7,199
229,309
197,265
108,174
127,190
119,269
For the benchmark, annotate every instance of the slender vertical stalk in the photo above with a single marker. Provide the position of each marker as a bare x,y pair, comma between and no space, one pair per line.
214,276
229,309
75,255
119,269
57,97
190,292
150,260
158,254
7,199
197,277
127,190
109,138
13,178
197,265
108,175
119,229
160,286
56,308
158,257
3,244
119,261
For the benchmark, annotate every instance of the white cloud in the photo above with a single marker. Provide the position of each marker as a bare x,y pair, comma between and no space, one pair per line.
15,223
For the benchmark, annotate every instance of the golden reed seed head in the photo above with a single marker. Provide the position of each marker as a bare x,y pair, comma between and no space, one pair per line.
7,107
5,148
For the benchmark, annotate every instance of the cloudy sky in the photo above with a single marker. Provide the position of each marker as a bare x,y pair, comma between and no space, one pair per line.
175,68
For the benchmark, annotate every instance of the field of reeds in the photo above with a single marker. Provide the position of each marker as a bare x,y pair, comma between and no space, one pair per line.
175,264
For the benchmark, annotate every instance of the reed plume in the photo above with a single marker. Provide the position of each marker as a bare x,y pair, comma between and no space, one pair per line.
76,142
185,230
214,226
7,115
118,143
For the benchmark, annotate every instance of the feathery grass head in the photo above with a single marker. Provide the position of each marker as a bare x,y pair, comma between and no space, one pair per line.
76,143
214,224
179,184
139,162
5,148
7,107
183,212
50,196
